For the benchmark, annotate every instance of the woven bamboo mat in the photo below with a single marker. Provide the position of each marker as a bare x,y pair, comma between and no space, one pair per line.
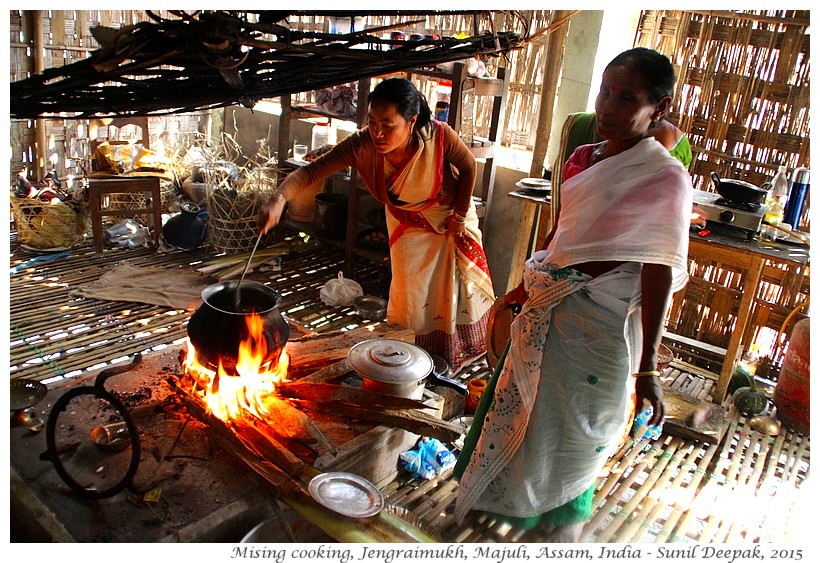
748,487
745,489
54,335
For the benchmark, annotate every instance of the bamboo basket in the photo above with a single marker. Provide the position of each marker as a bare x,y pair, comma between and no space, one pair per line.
49,225
233,212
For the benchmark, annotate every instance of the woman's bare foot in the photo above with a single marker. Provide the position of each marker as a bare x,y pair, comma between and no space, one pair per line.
571,533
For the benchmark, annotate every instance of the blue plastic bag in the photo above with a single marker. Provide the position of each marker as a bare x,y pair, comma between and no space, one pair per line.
413,461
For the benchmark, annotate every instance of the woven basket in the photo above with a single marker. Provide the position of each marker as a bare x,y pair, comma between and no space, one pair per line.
49,225
233,214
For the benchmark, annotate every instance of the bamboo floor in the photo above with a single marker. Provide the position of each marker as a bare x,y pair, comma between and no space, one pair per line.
748,488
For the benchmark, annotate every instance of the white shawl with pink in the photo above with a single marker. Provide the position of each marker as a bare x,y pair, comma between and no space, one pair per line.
612,211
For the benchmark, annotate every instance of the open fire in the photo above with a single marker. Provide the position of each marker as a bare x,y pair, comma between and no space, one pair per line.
253,385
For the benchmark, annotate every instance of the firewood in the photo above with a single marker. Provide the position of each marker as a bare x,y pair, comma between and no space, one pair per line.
318,351
414,421
354,396
243,438
293,422
328,373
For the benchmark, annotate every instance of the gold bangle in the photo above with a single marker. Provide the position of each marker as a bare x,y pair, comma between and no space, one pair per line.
650,373
459,216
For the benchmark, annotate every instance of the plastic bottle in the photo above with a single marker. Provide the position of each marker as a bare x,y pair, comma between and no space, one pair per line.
319,135
776,200
650,431
797,197
436,454
443,91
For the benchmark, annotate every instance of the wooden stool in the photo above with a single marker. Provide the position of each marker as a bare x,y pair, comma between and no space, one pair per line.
100,187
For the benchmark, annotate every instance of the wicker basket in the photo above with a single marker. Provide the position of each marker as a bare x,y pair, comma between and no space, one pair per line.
49,225
233,214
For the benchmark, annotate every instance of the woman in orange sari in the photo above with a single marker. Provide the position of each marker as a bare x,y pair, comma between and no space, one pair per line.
424,175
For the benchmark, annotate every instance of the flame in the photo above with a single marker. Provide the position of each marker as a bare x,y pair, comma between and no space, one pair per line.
226,395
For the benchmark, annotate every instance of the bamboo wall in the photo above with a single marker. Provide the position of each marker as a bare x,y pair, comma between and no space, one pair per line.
743,99
743,89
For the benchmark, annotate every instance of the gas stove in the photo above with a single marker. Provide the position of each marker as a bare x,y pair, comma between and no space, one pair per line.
745,218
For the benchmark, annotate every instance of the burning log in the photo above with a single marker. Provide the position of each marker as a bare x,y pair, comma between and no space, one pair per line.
293,422
268,457
328,373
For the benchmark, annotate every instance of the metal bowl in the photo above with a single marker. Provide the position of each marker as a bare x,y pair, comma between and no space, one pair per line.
370,307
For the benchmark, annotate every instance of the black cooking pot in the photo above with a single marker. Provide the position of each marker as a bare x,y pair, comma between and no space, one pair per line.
740,191
217,327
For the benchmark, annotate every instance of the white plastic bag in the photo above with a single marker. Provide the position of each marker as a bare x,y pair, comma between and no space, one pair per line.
340,292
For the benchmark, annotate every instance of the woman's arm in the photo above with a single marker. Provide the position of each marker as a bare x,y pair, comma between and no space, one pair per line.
457,154
336,159
656,284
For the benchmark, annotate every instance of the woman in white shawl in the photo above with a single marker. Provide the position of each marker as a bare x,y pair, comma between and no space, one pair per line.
593,305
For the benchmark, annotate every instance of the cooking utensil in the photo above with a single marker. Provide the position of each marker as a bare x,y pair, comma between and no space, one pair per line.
112,437
441,375
238,294
739,191
391,366
536,182
347,494
370,307
216,328
25,393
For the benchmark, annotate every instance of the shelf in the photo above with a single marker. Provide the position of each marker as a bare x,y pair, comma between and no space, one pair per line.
376,256
311,110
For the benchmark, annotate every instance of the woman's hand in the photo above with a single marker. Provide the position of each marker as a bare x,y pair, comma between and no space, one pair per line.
516,298
650,389
456,224
271,212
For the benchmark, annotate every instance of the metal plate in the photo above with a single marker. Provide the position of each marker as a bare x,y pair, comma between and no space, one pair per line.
534,190
26,393
536,183
346,493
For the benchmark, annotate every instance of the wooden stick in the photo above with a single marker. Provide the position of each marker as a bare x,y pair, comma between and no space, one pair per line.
414,421
326,392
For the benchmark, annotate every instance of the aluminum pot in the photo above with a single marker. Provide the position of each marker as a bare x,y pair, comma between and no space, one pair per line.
393,367
739,191
217,327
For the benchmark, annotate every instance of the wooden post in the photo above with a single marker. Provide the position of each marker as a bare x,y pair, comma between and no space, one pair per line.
552,71
39,168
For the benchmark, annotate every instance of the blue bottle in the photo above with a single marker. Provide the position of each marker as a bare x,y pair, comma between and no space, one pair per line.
797,197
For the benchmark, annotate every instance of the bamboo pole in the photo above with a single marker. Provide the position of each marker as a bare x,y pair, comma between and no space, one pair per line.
552,72
41,141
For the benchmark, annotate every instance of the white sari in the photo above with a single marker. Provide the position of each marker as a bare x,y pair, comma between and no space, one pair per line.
560,403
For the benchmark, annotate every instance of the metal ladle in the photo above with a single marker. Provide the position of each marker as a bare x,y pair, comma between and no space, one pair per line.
238,293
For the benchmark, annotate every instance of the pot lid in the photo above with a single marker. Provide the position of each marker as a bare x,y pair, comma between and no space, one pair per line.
390,361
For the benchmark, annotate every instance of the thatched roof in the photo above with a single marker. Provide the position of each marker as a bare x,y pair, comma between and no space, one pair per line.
215,59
